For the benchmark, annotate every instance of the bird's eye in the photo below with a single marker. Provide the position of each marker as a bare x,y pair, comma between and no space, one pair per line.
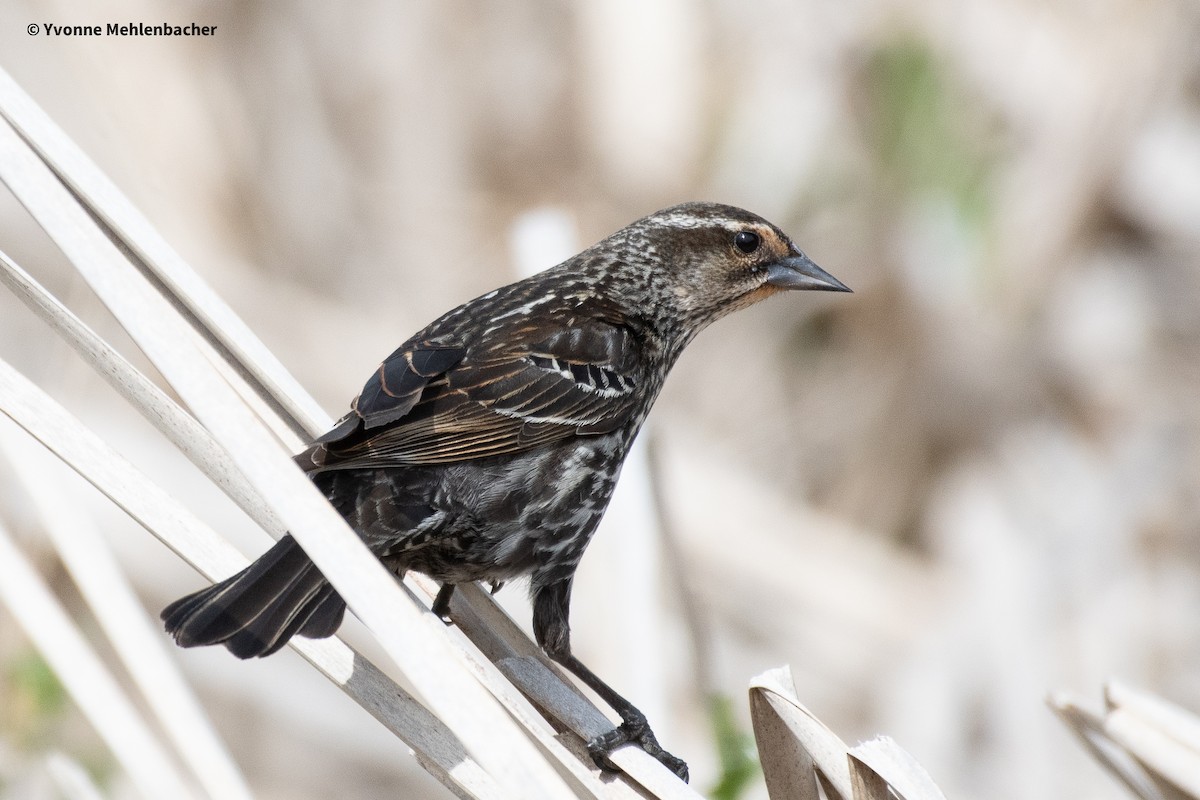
746,241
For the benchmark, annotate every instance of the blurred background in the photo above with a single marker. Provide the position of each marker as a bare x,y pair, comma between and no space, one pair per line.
972,482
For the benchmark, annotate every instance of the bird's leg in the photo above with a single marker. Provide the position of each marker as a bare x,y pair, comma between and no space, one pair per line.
441,603
551,608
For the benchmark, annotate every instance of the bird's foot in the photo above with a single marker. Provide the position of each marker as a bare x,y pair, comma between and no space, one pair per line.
441,603
633,730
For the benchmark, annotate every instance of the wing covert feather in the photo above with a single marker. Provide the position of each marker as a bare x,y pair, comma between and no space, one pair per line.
440,404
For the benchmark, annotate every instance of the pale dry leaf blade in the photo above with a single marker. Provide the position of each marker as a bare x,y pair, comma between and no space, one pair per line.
866,783
1089,728
773,693
787,767
1163,756
897,768
1180,724
1164,737
435,746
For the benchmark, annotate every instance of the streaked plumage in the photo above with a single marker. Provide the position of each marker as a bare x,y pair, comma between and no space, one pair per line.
487,446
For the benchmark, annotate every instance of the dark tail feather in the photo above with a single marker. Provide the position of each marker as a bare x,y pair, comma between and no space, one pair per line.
326,616
256,612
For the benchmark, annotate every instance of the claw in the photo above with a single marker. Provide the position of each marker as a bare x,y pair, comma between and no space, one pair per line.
676,765
598,749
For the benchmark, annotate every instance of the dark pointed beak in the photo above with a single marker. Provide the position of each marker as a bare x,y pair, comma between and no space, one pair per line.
799,272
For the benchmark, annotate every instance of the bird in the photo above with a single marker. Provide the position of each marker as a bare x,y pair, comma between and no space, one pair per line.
487,446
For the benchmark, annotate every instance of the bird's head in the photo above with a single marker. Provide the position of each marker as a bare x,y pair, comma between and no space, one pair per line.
707,260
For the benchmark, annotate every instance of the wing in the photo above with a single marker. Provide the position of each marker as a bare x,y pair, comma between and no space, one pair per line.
536,386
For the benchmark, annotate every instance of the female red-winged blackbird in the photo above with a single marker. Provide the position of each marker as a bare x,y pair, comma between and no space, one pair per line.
487,446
